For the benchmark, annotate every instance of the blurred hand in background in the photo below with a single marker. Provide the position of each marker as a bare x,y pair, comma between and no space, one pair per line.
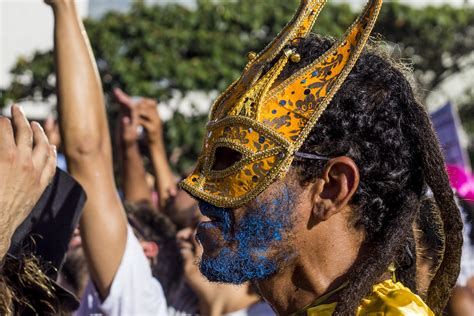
129,118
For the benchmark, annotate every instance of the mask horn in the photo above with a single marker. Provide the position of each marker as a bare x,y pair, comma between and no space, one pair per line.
299,26
322,79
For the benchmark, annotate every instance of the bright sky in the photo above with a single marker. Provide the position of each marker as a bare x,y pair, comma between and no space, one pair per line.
25,26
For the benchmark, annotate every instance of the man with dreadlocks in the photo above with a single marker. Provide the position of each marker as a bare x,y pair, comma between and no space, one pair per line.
312,172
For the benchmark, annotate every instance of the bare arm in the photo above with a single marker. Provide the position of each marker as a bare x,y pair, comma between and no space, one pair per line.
87,145
134,186
165,180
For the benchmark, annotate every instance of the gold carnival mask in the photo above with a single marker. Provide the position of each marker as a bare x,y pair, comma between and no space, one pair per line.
265,123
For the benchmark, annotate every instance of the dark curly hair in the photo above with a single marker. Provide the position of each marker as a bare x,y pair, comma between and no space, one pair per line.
150,225
376,120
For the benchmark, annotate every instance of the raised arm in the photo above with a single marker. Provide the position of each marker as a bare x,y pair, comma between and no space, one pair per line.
165,180
134,185
87,145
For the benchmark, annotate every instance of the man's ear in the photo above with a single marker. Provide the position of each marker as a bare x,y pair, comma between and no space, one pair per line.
335,187
150,248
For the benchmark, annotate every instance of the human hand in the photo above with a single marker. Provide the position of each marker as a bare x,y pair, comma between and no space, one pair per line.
190,251
27,165
146,114
149,118
214,298
129,118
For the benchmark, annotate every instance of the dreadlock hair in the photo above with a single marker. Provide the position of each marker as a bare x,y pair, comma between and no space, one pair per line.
430,243
376,120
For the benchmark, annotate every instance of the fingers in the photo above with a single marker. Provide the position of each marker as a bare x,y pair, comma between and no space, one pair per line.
50,167
187,246
7,140
148,113
41,150
123,98
23,132
198,250
129,123
148,108
126,122
134,117
147,124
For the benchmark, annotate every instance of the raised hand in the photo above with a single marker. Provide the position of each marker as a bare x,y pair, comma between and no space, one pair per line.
142,112
149,118
27,165
191,252
146,112
129,118
214,298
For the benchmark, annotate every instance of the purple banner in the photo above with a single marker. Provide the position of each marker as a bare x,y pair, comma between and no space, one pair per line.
447,125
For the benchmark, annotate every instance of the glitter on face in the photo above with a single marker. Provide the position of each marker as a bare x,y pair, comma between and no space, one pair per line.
253,245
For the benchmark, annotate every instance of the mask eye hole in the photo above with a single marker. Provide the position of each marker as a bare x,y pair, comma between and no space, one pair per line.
224,158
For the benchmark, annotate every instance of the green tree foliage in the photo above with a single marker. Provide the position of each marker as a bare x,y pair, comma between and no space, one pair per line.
438,40
152,50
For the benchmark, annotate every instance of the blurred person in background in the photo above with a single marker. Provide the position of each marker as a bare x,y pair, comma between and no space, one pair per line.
169,269
205,298
156,235
118,266
74,275
179,206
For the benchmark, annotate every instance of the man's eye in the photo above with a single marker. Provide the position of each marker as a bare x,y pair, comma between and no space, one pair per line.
225,157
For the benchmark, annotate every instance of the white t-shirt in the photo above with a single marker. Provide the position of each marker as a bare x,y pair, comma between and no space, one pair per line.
135,291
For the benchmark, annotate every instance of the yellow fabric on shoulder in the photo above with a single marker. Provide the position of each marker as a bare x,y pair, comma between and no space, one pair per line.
387,298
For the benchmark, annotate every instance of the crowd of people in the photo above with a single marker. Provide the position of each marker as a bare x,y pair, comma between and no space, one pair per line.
320,190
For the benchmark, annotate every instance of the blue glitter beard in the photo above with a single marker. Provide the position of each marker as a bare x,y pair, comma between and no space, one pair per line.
258,231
